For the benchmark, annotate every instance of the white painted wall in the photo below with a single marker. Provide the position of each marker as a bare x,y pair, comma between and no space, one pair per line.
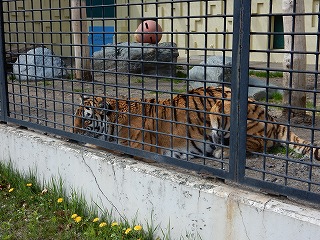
189,203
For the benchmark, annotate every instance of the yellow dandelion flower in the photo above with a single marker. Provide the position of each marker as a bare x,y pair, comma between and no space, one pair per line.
137,228
103,224
29,184
77,219
60,200
114,224
11,189
127,231
96,220
73,216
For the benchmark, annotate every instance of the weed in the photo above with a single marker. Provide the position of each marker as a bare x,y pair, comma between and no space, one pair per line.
80,90
175,81
139,81
181,74
181,90
44,83
70,76
179,67
275,97
278,149
265,74
310,105
11,77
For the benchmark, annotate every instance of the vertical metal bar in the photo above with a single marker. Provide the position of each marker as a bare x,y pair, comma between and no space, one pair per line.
239,85
3,73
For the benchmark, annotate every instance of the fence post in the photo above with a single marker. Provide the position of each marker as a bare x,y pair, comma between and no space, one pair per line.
80,40
3,75
239,85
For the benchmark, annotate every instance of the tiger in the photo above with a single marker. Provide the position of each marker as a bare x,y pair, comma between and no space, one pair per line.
186,126
177,127
262,131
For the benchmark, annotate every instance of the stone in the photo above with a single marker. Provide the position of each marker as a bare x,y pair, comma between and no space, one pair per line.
37,64
220,71
146,58
259,89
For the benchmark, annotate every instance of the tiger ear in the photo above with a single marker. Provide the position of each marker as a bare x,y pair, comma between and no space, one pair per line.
83,98
108,107
101,102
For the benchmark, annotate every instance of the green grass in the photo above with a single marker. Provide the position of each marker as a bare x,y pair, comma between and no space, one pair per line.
275,97
45,83
311,106
181,90
179,67
181,74
31,211
11,77
175,81
70,76
278,149
264,74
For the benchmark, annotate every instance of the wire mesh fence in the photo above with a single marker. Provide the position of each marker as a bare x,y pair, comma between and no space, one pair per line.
170,81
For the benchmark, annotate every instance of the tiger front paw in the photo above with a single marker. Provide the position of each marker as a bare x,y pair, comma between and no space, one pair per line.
221,153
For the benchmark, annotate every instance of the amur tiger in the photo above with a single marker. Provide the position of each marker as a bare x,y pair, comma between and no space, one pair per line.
186,124
167,126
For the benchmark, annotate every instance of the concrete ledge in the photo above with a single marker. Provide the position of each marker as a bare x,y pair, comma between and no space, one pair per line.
182,204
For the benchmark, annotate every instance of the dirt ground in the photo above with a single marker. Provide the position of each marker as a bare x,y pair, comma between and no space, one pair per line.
52,103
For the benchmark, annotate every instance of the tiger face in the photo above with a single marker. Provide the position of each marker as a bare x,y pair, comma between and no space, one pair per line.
92,117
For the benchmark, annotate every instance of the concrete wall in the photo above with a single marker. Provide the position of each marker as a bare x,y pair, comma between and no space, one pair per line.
180,201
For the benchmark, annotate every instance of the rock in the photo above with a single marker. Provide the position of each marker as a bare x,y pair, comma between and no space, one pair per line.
138,58
37,64
221,72
259,91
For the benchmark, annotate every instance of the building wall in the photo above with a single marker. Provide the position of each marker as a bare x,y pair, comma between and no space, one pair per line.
53,34
187,33
216,26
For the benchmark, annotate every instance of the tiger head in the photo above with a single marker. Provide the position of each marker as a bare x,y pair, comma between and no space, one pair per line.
92,116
